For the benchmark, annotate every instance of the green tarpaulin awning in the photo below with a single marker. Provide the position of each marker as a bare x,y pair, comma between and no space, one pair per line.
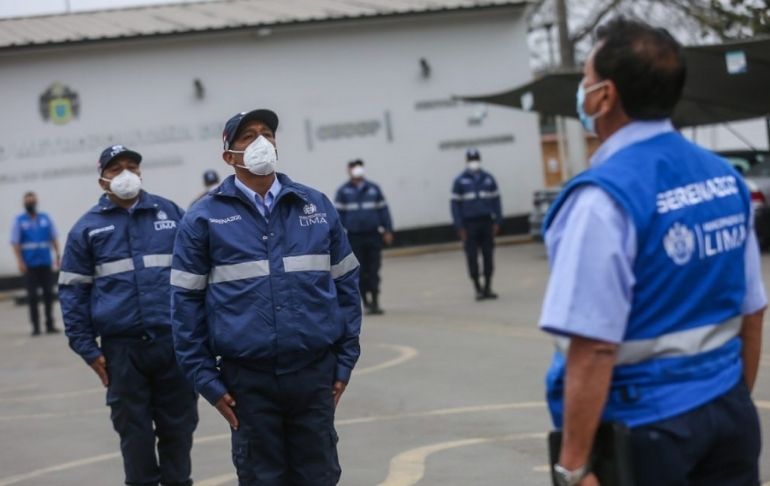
725,82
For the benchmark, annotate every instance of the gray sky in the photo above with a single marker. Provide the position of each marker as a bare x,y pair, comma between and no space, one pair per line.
20,8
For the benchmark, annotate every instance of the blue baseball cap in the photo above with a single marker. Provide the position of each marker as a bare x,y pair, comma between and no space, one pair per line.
234,124
472,154
113,152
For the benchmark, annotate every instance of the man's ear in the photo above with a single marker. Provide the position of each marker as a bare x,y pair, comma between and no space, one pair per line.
228,158
103,184
612,99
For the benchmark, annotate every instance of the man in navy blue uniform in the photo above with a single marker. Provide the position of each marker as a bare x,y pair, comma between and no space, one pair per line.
266,311
33,236
655,294
365,215
477,215
114,285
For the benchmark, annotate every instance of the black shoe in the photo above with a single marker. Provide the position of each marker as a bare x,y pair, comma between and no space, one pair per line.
480,295
35,332
52,330
374,310
488,294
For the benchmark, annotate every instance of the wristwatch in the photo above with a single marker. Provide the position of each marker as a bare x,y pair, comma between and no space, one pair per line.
564,477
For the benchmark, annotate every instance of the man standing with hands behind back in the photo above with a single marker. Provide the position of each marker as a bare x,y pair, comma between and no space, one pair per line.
264,278
32,237
655,293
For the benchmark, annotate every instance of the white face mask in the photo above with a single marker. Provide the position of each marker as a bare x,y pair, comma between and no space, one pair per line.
259,158
125,185
357,172
474,165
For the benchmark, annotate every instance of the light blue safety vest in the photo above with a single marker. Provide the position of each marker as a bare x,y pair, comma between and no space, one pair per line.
35,236
681,347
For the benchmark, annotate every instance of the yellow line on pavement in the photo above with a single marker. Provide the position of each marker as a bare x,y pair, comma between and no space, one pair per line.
405,353
408,468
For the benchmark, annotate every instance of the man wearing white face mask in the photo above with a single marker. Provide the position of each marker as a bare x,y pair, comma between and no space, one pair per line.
114,285
477,215
365,216
266,311
655,294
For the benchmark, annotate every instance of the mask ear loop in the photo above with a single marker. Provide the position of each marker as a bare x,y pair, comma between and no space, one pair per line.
590,90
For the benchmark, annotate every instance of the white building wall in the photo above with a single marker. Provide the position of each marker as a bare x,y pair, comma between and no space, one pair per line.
355,74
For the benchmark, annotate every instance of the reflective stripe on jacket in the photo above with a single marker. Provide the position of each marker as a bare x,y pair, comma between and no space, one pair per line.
114,278
281,291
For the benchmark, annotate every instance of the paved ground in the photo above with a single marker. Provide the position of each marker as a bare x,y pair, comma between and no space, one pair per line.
448,391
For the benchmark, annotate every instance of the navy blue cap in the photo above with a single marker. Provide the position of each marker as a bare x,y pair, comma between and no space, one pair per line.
210,177
472,154
113,152
268,117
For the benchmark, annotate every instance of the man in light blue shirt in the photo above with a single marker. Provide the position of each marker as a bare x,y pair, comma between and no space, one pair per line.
655,295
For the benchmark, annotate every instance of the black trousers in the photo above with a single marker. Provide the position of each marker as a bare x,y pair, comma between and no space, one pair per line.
35,278
479,235
367,247
286,433
150,398
717,444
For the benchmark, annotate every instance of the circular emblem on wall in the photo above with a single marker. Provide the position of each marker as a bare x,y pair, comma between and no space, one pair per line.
679,243
59,104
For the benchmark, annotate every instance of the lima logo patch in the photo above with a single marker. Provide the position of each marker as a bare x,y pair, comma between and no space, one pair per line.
679,243
311,216
163,222
309,209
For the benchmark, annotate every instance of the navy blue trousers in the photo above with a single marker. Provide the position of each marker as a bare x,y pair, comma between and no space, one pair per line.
479,235
40,277
286,433
367,247
151,399
717,444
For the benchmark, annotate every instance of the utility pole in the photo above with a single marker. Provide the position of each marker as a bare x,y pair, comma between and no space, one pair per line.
566,50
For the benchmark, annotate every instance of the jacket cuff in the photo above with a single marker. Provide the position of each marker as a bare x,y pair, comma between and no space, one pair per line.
91,355
342,373
213,390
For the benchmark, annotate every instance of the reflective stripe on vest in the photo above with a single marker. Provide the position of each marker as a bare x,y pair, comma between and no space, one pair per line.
675,344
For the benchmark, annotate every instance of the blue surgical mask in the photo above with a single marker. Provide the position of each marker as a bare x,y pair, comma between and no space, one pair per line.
588,121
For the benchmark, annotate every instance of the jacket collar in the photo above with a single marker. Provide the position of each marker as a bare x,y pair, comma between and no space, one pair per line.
146,201
288,187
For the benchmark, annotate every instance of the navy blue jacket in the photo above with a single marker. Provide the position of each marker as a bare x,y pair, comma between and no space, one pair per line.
474,195
363,208
114,279
281,292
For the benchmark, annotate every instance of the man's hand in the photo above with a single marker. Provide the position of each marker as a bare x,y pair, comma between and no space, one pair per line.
462,234
57,262
495,229
337,390
22,268
99,365
387,238
225,405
